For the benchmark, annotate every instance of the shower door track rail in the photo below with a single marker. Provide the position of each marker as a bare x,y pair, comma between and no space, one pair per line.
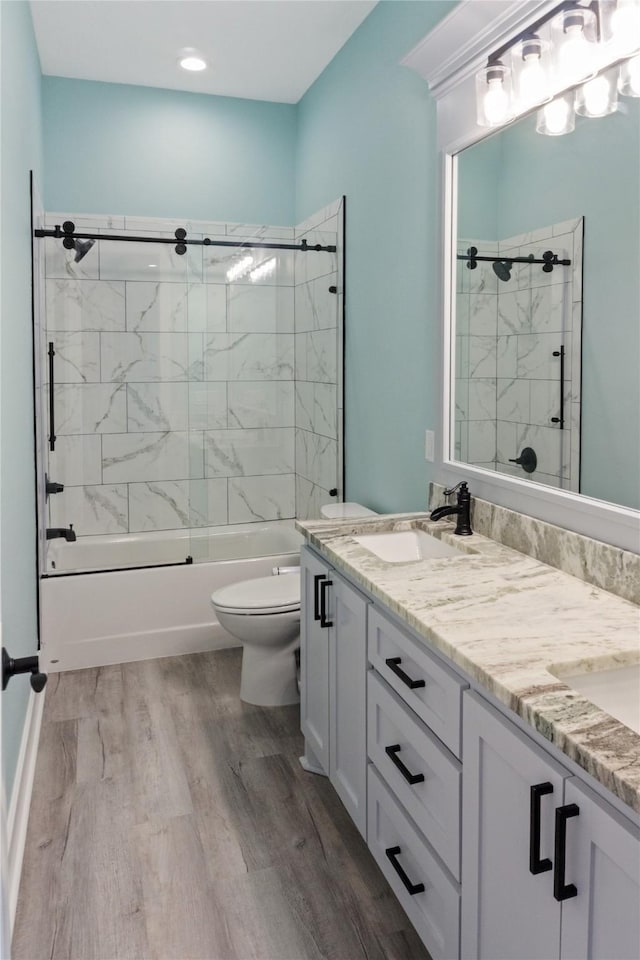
181,239
554,261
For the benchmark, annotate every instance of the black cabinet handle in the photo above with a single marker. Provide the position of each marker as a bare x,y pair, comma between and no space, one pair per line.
394,665
392,752
537,865
324,586
52,419
411,888
562,890
316,600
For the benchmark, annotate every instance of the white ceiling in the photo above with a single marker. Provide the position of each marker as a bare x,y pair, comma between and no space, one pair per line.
258,49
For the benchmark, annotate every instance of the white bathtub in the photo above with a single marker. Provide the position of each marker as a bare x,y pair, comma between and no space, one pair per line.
106,613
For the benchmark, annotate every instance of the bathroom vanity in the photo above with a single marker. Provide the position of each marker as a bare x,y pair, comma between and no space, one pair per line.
501,804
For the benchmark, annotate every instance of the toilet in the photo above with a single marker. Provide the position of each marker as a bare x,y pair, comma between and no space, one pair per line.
264,615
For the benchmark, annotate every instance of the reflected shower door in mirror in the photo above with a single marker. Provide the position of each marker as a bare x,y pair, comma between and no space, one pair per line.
546,306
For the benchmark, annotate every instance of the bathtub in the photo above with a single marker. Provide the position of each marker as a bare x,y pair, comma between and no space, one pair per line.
113,599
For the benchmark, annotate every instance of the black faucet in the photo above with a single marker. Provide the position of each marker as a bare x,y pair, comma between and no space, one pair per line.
462,510
68,533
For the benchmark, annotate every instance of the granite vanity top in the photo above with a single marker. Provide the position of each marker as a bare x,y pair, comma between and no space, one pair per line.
508,620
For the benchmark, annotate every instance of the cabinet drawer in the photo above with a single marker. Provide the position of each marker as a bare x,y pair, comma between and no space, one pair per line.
434,801
402,661
405,860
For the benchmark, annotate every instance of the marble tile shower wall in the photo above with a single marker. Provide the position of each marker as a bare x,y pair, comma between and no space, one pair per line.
507,379
318,360
174,388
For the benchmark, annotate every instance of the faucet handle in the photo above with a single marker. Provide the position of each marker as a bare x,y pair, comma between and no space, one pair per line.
462,486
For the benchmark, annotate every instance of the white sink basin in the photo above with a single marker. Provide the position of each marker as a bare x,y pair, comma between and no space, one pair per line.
617,692
403,546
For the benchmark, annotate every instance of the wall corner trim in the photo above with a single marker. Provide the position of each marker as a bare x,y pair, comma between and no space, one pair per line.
21,798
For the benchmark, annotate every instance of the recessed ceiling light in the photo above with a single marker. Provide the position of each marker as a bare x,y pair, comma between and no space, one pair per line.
191,59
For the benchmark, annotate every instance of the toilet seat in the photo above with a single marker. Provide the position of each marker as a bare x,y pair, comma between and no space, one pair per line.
261,596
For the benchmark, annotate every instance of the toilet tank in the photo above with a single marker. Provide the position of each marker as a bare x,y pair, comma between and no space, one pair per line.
345,511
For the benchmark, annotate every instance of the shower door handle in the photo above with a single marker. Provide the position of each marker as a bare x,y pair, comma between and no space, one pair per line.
560,420
52,412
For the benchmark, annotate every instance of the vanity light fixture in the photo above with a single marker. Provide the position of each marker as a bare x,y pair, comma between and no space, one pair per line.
590,45
192,60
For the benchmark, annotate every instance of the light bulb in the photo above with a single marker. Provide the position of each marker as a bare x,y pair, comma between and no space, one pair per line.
575,54
533,80
556,114
625,25
629,82
496,102
596,96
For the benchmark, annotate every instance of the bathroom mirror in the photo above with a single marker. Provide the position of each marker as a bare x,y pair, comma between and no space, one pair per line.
545,331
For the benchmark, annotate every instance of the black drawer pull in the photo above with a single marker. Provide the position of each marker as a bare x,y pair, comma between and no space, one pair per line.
394,665
316,600
411,888
323,603
562,890
392,752
536,865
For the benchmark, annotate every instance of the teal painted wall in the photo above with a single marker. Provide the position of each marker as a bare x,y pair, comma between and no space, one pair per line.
366,128
21,151
115,148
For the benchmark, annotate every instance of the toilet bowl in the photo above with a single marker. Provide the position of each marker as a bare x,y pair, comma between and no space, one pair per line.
264,615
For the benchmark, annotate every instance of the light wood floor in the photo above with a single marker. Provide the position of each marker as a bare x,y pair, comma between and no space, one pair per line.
169,820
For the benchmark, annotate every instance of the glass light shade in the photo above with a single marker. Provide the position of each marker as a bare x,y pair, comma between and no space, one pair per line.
530,71
574,33
598,97
557,117
623,27
629,79
494,100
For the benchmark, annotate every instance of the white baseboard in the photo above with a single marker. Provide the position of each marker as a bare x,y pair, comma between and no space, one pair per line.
21,797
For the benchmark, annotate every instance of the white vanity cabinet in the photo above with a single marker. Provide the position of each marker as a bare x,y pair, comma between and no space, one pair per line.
333,665
523,814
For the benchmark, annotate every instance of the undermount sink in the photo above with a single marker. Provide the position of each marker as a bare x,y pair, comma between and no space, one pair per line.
403,546
617,691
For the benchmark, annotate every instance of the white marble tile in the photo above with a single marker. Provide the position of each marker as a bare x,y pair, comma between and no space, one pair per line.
315,306
483,314
77,357
260,309
482,357
461,359
547,443
86,223
506,445
208,503
93,510
249,356
132,457
263,403
461,315
126,260
321,360
576,268
535,356
90,408
507,359
333,209
563,246
309,499
208,408
177,504
551,308
461,399
138,357
76,460
545,401
482,400
316,459
312,264
157,306
60,264
254,231
84,305
304,401
324,409
513,400
236,265
157,407
514,312
482,441
207,308
238,453
483,278
261,498
566,226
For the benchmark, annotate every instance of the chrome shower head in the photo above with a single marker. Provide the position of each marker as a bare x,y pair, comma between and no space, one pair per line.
82,248
502,269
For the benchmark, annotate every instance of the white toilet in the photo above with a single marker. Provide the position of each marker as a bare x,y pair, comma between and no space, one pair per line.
264,614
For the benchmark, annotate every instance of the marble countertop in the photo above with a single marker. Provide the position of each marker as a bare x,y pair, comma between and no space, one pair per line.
510,622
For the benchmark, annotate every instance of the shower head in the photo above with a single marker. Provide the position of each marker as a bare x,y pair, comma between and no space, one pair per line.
502,269
82,248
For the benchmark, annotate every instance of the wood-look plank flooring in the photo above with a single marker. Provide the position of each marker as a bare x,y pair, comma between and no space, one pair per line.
169,820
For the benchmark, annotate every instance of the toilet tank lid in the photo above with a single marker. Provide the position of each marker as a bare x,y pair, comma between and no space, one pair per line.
262,593
345,511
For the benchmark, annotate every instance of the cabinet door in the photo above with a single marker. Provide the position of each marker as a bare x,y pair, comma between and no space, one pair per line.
347,699
508,913
602,922
314,658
